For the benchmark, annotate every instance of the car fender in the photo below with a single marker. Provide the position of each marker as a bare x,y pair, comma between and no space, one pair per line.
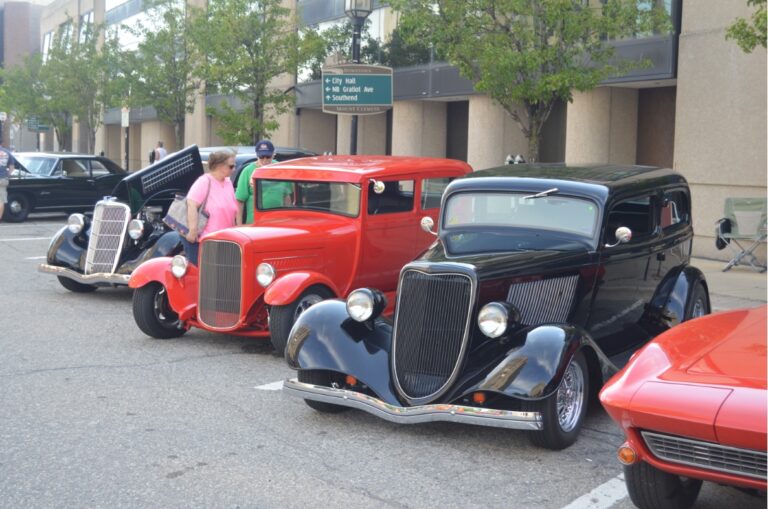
67,249
533,368
167,244
326,338
673,294
182,293
286,289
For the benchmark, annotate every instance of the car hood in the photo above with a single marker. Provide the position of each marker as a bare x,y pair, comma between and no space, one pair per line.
174,174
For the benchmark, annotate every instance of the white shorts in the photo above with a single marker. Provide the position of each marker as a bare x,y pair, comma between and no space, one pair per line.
3,190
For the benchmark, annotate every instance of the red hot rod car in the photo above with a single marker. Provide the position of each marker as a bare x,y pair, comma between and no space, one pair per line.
693,407
338,223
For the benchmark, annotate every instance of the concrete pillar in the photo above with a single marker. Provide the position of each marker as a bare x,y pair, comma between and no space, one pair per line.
601,126
419,128
492,134
316,131
371,134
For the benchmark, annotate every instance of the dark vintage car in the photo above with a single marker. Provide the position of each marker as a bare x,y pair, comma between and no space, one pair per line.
58,182
542,282
693,406
126,228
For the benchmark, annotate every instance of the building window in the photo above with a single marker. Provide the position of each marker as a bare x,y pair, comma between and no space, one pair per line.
86,27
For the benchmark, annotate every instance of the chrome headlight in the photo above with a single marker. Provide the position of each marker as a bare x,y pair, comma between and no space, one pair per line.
179,265
365,303
76,223
265,274
493,319
136,229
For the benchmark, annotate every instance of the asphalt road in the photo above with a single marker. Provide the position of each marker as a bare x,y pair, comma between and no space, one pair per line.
95,414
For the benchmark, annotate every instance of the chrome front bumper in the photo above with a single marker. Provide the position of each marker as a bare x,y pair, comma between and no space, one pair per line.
416,414
90,279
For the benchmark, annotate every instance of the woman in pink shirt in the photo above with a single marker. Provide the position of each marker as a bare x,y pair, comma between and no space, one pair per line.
220,203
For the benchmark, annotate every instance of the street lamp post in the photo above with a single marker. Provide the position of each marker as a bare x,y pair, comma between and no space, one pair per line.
357,11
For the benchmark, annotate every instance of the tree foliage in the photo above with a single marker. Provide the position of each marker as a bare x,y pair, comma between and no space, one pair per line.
161,72
749,33
529,54
247,44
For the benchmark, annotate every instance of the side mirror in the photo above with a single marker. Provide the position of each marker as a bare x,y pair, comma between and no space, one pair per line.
623,235
378,186
427,224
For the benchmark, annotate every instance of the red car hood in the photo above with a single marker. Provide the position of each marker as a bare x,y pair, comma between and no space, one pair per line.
704,379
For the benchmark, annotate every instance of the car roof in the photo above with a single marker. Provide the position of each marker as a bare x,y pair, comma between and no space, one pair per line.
599,181
345,168
60,155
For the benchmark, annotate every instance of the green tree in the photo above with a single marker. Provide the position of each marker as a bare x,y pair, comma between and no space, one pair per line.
244,45
749,33
529,54
336,41
162,70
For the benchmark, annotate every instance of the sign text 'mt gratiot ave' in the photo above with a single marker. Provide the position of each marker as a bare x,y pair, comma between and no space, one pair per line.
357,89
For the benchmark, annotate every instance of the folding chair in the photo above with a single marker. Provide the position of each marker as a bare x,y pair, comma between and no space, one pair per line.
744,223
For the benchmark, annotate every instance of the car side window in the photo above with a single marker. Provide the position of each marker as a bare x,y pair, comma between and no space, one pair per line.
98,169
432,192
675,210
397,197
76,168
635,213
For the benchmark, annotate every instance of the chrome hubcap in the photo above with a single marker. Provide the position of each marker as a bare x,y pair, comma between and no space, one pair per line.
162,311
305,303
15,206
570,397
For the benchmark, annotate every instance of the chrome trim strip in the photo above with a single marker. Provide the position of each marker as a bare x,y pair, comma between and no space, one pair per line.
508,419
707,455
90,279
467,271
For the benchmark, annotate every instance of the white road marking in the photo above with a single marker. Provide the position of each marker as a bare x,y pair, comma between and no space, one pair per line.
602,497
35,257
274,386
27,238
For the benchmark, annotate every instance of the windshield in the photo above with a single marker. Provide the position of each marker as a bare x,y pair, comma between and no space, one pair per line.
37,165
521,210
335,197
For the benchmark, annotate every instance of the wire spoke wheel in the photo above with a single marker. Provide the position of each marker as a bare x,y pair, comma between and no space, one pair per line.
570,398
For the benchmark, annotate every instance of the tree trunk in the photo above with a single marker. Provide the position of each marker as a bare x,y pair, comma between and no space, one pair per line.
177,134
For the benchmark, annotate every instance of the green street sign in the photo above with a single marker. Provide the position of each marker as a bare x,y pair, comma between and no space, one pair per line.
33,124
355,89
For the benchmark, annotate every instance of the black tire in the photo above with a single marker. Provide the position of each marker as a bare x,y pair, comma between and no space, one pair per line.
650,488
74,286
698,304
153,314
324,378
558,433
282,318
18,208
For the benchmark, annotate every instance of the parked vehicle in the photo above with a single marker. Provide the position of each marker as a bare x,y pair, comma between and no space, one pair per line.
324,225
58,182
692,404
126,228
544,278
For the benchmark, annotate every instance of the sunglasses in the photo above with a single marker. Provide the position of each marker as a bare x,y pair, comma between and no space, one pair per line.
265,157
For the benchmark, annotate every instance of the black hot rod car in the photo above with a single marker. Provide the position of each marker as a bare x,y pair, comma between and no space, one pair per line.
126,228
543,281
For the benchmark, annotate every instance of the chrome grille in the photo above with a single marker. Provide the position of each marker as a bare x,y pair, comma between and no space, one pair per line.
544,300
431,331
719,458
110,221
219,284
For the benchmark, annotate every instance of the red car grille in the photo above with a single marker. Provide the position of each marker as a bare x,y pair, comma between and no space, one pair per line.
707,455
219,284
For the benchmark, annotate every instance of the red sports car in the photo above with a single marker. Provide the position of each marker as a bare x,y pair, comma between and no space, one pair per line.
692,404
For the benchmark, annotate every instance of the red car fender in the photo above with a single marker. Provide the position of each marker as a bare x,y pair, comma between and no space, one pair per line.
182,293
286,289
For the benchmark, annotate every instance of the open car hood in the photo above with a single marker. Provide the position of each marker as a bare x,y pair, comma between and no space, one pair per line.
160,181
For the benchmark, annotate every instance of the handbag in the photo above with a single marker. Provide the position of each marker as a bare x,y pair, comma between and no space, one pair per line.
176,218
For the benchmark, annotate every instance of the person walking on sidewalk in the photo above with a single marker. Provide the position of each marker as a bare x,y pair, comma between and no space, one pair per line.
7,165
160,151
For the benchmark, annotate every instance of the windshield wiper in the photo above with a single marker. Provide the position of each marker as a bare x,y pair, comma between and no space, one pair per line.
541,194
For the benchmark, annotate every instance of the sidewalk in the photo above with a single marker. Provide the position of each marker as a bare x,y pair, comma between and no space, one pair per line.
739,287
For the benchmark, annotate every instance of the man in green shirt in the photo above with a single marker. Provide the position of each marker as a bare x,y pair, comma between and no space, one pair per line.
244,191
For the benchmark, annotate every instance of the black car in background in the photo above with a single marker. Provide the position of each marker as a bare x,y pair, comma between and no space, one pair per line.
126,228
543,281
58,182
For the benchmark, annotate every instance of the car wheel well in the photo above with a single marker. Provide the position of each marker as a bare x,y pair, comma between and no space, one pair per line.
595,374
